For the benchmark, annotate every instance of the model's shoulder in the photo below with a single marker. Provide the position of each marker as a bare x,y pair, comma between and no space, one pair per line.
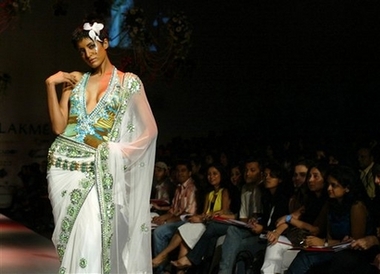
77,74
132,82
131,75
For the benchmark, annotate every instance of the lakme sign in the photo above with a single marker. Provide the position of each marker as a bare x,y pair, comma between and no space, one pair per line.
24,129
21,144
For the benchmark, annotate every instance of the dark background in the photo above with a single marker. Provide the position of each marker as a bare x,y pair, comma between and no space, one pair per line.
277,68
299,68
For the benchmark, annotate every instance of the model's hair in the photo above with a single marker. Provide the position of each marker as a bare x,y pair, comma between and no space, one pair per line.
79,33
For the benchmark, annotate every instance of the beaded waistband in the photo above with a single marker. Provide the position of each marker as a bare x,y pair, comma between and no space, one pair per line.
72,165
69,155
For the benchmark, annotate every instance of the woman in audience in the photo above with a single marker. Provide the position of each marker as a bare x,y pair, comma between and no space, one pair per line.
236,175
364,255
222,201
308,218
347,218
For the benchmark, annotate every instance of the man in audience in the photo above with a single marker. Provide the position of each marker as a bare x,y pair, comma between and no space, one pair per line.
250,208
184,202
366,161
162,189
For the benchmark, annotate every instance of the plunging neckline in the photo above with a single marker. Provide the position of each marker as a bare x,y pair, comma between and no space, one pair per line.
101,98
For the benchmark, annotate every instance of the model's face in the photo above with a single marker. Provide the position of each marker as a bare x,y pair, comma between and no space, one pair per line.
93,54
252,173
213,176
335,189
299,175
316,181
235,176
271,182
182,173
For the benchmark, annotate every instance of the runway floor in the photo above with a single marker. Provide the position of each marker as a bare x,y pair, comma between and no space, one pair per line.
24,251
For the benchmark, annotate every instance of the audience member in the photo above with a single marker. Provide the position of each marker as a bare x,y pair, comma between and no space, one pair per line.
162,188
348,218
222,202
184,202
251,208
366,161
308,219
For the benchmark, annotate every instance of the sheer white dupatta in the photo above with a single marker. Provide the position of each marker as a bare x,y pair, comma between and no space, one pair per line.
131,162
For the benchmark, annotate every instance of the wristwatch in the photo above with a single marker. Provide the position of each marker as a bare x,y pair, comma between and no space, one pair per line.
288,218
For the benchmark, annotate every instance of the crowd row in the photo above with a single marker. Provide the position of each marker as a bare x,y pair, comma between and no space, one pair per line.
265,213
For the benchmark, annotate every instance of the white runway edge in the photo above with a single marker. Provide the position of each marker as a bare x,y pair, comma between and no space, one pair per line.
24,251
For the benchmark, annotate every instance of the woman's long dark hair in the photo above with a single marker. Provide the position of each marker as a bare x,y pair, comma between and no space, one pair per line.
323,167
350,179
226,183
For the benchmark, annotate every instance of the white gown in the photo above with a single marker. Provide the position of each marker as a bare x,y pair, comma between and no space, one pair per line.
100,193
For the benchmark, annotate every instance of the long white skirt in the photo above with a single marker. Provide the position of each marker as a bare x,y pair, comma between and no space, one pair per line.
82,252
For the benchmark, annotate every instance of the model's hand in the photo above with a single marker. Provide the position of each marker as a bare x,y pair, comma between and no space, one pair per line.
62,77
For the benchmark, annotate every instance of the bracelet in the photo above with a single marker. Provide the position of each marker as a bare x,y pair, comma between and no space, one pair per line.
288,219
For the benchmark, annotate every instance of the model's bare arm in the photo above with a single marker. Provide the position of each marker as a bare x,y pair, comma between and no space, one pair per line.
59,107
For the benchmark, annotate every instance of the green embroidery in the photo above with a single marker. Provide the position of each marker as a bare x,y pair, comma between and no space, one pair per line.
66,224
71,210
62,270
130,128
133,85
83,263
144,228
61,251
75,196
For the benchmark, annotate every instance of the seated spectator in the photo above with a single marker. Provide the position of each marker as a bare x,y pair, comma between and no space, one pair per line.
307,219
348,218
162,188
222,201
250,208
184,202
364,255
236,175
237,239
366,162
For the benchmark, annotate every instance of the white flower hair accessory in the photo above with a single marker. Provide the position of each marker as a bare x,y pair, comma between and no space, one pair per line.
94,30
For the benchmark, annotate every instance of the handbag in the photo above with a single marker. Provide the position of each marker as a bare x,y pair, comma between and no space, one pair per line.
296,236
